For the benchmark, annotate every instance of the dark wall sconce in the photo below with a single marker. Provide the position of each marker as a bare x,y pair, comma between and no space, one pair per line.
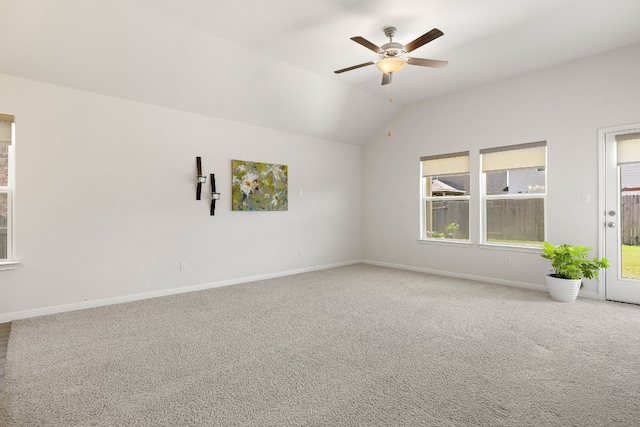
214,196
199,177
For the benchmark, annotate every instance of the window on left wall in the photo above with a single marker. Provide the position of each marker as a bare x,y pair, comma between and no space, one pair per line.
7,148
445,196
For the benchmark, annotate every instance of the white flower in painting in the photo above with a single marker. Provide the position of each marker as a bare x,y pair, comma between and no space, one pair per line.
276,172
248,183
241,168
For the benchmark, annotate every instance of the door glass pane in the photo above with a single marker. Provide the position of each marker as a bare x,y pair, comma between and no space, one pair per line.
630,220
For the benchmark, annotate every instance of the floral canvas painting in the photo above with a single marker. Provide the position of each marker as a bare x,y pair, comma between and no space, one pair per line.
259,186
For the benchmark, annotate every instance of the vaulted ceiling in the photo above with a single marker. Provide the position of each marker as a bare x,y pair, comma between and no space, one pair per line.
271,63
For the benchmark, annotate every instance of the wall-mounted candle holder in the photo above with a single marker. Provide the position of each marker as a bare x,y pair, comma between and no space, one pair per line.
200,179
214,196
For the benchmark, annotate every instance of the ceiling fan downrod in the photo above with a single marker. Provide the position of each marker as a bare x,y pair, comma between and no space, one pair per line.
390,32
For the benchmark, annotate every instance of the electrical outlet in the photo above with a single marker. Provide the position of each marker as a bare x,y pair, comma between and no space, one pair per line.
300,252
183,265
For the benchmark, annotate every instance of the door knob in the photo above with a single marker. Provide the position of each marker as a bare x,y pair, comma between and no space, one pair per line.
611,224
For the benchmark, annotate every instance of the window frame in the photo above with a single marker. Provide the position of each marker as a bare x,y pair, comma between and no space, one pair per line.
424,199
10,261
484,197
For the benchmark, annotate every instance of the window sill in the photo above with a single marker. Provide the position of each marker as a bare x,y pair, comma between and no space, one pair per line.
446,242
8,265
511,248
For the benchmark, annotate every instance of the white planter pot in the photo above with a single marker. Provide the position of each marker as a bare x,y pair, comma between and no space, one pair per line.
563,290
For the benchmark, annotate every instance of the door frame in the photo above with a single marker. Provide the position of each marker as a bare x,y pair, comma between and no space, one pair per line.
602,187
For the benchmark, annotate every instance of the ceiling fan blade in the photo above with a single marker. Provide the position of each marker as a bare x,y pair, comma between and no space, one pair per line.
433,63
386,78
354,67
366,43
423,39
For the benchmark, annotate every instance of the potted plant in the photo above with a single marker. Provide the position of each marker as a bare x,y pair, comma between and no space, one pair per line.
570,264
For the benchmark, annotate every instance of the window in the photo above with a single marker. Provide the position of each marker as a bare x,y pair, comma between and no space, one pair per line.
514,193
6,186
445,196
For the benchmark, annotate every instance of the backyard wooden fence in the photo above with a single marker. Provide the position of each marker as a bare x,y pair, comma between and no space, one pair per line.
522,220
445,213
630,219
3,236
519,220
3,243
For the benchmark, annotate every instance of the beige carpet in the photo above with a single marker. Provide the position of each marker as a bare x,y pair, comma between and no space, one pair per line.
352,346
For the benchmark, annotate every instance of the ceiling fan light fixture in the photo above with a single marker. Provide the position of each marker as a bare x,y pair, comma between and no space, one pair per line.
391,56
391,65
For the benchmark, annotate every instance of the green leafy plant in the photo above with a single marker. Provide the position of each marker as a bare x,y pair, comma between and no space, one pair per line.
435,234
451,230
572,261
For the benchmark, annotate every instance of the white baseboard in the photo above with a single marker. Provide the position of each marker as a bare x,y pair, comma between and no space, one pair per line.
589,295
45,311
532,286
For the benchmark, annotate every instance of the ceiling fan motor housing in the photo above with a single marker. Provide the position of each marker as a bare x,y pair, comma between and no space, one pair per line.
392,56
391,50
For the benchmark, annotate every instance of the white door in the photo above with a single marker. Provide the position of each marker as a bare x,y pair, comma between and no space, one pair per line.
621,213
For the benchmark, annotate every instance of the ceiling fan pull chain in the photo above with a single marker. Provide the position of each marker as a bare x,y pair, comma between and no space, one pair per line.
390,102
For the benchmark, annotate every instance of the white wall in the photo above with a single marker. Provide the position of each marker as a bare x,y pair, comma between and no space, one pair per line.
120,49
564,105
105,204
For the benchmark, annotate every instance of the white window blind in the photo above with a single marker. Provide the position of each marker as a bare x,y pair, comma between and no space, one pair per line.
446,164
521,156
6,122
628,148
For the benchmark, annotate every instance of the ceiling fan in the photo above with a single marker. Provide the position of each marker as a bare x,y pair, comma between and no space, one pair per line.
393,55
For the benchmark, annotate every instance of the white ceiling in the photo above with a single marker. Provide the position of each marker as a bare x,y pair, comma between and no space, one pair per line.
271,63
484,39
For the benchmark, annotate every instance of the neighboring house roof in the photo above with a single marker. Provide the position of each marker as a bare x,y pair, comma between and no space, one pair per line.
439,188
459,182
496,182
503,182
